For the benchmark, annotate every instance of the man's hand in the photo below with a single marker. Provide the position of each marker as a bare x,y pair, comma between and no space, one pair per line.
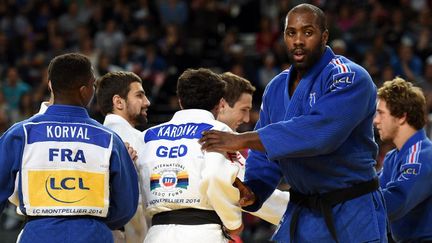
132,152
247,197
218,141
235,231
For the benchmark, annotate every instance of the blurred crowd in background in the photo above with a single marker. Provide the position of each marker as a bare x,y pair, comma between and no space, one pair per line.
159,39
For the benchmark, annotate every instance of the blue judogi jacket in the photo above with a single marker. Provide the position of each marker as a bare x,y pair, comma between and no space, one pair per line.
407,188
320,139
60,152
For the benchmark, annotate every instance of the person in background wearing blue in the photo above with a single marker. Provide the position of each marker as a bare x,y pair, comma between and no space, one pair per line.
407,172
72,172
315,129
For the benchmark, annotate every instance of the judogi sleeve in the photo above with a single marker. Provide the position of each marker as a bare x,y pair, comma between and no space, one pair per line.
123,186
218,176
408,190
274,207
11,145
262,176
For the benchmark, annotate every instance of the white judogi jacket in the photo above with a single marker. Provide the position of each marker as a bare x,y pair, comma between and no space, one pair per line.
122,127
137,228
177,174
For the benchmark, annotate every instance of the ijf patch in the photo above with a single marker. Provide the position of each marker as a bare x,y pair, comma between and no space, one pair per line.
169,180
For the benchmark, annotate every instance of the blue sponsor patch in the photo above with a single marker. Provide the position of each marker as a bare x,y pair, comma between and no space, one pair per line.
342,80
67,132
409,171
175,132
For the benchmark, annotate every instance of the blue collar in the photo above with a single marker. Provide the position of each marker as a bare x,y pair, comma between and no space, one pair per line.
67,110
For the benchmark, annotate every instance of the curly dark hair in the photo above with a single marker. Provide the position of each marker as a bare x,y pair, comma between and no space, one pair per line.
200,89
403,98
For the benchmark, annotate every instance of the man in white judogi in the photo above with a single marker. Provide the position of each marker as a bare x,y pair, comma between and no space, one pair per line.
122,99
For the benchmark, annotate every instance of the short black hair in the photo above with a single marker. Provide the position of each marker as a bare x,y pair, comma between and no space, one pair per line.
68,72
321,19
113,83
200,89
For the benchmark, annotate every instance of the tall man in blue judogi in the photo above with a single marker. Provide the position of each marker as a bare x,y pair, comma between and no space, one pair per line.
315,129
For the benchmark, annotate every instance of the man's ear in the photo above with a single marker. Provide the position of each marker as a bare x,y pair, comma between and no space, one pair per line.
223,103
403,119
180,104
325,36
49,86
118,102
219,108
85,95
51,99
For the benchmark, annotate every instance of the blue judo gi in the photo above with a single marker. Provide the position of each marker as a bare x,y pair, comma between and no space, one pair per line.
407,188
320,139
76,180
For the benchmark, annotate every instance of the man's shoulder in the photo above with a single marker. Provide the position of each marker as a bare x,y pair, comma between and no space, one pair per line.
390,155
341,72
342,64
278,82
426,150
418,152
178,129
15,129
281,77
113,120
220,126
122,128
19,125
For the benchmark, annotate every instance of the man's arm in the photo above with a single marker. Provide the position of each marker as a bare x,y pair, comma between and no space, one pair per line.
10,162
217,187
274,207
247,196
123,186
327,125
213,140
132,152
408,190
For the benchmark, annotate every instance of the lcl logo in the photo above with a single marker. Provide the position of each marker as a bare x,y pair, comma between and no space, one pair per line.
67,184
